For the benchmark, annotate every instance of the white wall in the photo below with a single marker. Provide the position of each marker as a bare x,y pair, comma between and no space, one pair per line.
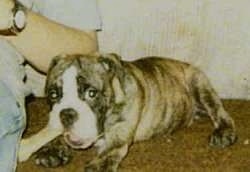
211,34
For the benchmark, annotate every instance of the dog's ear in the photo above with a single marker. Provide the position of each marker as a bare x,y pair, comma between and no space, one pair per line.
118,90
111,62
55,61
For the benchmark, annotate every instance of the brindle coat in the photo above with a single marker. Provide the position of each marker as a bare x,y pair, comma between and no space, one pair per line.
142,98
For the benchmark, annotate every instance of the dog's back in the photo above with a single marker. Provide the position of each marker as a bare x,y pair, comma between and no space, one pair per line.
164,85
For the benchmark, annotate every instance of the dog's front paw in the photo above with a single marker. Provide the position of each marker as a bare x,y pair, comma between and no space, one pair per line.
53,156
91,168
222,138
95,165
101,165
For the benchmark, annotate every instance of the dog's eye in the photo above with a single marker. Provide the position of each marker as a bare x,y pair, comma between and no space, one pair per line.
53,94
92,92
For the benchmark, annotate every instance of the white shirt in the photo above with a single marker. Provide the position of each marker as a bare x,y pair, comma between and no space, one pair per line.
81,14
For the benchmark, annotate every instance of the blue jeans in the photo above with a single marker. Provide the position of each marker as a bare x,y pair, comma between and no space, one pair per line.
12,124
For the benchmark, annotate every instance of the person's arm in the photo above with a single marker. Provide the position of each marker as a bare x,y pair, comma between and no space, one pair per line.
42,39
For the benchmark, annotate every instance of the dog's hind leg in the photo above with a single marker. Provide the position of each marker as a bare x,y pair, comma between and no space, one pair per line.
224,133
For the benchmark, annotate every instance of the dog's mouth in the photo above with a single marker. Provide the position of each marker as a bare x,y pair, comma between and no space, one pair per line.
78,143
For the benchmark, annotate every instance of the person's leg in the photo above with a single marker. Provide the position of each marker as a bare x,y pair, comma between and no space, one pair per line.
12,123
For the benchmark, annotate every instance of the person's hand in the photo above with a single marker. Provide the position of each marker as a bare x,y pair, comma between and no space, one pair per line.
6,14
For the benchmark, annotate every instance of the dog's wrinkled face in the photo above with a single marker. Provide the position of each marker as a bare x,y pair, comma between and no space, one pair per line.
79,96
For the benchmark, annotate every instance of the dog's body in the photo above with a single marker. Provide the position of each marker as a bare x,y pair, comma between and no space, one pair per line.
109,103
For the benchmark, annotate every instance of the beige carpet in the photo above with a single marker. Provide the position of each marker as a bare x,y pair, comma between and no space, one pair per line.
187,151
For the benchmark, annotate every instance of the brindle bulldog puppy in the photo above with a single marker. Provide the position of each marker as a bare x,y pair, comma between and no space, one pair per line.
103,101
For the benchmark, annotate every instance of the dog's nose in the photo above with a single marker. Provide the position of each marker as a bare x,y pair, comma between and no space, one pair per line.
68,117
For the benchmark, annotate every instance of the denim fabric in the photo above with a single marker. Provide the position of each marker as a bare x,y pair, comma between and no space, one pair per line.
12,112
12,123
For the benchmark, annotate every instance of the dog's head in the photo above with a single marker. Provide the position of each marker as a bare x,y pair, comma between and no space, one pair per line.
81,89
